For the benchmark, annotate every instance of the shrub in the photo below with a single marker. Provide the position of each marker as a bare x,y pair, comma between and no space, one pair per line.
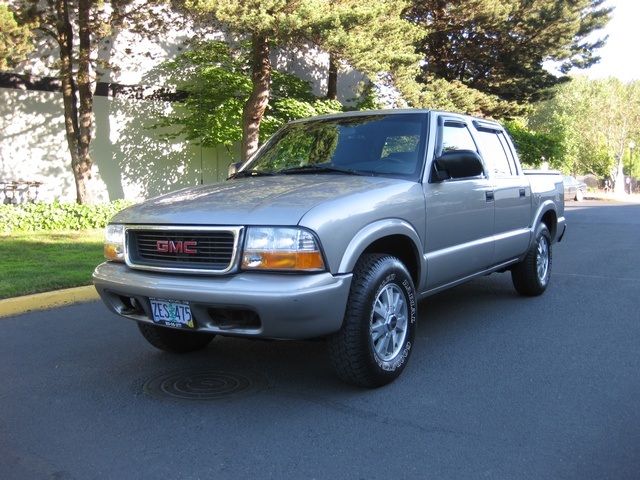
30,217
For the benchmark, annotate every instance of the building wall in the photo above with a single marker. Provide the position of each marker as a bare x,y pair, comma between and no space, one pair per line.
32,145
131,160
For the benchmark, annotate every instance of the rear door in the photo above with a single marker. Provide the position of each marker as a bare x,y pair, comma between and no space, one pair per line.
511,189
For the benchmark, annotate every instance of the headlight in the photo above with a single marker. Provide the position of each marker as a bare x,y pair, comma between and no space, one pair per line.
290,249
114,243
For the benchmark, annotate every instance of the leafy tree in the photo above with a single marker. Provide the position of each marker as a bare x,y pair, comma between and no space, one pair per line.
357,32
217,83
76,29
456,97
535,148
500,47
264,21
596,120
15,41
372,37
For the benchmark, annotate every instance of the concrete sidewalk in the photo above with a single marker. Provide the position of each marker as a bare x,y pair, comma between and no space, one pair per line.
10,307
611,197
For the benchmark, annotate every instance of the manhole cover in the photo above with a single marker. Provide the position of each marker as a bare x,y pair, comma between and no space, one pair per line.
203,385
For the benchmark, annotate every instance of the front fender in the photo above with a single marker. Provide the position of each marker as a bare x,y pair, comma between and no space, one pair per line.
373,232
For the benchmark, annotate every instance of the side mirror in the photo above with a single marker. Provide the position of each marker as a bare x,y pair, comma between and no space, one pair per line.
458,164
233,168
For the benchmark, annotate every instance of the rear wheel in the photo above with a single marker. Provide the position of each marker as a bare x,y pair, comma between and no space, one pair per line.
531,276
173,340
373,346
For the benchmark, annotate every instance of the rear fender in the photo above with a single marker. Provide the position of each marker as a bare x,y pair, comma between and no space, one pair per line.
547,213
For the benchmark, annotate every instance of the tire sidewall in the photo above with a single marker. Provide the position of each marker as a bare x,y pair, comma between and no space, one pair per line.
543,233
525,274
388,271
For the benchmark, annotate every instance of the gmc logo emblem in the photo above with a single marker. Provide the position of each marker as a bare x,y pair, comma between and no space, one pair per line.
169,246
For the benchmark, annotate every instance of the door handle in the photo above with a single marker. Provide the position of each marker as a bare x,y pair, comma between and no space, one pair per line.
490,196
523,193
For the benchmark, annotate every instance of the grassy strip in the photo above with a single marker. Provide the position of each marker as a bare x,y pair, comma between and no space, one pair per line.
33,262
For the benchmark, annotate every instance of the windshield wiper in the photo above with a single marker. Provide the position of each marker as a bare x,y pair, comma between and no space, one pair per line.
317,169
252,173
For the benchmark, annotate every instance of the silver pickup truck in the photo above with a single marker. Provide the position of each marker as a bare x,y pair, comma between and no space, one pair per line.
336,228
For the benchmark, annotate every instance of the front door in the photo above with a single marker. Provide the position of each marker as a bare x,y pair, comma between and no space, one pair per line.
459,215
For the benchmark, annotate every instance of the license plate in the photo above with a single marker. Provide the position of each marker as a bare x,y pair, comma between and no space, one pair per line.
171,313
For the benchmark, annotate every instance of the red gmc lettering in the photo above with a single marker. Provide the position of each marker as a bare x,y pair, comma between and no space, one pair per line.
190,247
169,246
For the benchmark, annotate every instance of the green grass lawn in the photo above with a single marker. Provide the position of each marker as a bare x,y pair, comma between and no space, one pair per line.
43,261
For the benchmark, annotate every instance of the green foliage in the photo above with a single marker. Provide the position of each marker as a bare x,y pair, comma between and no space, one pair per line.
292,98
535,148
595,120
15,41
373,37
217,82
31,217
454,96
499,47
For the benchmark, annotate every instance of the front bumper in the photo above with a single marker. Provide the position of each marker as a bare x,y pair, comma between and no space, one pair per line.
247,304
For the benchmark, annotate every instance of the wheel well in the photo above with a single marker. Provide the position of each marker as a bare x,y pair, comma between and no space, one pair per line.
402,248
550,219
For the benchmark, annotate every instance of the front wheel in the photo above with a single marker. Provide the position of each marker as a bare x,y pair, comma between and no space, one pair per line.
531,276
173,340
373,346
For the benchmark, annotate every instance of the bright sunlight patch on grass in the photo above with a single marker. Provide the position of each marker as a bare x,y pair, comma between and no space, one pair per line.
36,262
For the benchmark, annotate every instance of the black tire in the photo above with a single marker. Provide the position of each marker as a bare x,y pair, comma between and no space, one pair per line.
173,340
374,344
531,276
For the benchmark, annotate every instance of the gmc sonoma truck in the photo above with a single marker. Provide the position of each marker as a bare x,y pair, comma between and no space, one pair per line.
336,228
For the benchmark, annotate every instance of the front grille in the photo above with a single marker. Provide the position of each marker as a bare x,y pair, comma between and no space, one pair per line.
198,249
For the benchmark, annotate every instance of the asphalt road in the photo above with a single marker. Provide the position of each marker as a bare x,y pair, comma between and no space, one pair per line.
499,387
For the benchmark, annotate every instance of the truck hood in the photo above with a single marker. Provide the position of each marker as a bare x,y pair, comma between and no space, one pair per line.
277,200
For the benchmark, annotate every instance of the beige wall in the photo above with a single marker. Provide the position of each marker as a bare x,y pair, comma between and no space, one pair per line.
131,160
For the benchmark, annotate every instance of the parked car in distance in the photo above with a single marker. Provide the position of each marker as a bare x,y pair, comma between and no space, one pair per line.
574,189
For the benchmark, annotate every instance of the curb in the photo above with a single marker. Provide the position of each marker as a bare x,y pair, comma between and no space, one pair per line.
40,301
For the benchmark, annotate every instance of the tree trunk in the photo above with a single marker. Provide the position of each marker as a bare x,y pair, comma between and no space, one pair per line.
82,169
618,181
257,103
77,126
332,82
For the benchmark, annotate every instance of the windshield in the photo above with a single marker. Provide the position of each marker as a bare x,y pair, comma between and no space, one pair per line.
386,145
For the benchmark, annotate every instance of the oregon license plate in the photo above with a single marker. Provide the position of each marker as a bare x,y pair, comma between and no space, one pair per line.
171,313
